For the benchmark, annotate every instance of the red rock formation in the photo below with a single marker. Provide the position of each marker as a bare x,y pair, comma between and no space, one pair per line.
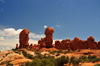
17,46
98,45
23,38
91,43
49,37
42,44
48,40
31,44
57,44
76,44
64,44
85,45
71,45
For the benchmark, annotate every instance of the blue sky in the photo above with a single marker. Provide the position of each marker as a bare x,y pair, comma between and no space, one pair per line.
69,18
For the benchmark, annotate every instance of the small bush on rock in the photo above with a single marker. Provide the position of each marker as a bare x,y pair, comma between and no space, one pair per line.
62,60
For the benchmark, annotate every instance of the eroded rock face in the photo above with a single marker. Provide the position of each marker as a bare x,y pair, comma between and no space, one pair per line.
57,44
23,38
98,45
64,44
49,37
91,43
42,44
48,40
76,44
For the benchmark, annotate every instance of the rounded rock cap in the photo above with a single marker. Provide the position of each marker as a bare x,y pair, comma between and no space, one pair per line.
90,38
76,38
49,30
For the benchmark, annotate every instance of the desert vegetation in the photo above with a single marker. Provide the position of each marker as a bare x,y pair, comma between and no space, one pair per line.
52,58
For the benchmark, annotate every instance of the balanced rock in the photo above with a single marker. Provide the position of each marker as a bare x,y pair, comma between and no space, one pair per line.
23,38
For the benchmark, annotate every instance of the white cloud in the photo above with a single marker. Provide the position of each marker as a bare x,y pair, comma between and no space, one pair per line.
56,40
2,1
63,4
58,25
3,49
36,36
7,48
1,38
40,32
1,10
12,32
45,26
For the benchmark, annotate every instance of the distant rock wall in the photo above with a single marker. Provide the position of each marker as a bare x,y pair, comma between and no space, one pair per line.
77,44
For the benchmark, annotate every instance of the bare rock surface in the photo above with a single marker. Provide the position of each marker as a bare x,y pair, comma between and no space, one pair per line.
4,54
12,57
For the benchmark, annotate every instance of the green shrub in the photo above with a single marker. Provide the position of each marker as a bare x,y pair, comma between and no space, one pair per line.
53,52
1,63
39,56
68,50
62,60
59,51
37,62
57,54
9,64
78,50
97,65
37,52
27,55
74,61
92,58
82,59
65,52
47,62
